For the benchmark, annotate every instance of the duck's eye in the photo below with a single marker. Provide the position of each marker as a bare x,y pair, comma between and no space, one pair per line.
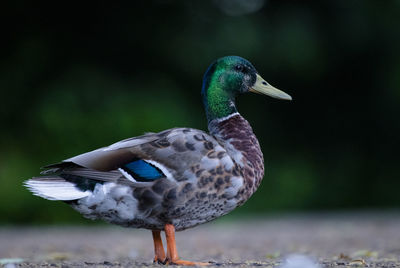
239,68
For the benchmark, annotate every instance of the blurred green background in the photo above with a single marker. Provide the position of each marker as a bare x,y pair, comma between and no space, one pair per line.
75,77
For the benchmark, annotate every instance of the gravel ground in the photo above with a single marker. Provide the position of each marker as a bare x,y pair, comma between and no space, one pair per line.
330,240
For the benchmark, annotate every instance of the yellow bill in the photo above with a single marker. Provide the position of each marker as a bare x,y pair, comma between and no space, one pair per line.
262,87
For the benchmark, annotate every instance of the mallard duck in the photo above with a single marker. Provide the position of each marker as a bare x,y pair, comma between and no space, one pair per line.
175,179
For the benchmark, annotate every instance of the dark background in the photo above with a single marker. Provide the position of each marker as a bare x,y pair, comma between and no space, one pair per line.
76,77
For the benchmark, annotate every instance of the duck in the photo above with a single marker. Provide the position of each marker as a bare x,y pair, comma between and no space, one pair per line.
175,179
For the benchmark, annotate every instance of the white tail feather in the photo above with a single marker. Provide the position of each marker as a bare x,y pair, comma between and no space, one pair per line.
55,189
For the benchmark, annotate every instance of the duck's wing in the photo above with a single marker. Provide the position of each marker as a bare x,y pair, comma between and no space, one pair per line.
142,160
168,157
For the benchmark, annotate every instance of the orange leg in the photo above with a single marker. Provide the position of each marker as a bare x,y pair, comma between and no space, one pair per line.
172,253
158,248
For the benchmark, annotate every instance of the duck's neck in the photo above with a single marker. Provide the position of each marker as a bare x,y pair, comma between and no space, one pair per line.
218,105
237,137
218,100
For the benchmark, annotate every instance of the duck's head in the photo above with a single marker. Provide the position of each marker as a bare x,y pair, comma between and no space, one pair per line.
228,77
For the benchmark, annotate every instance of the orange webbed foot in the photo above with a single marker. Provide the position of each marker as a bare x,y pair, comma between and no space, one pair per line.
186,263
172,253
159,261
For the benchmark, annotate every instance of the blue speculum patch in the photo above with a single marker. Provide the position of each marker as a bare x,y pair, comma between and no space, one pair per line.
142,171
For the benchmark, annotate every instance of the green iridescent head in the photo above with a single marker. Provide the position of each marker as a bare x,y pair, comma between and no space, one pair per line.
228,77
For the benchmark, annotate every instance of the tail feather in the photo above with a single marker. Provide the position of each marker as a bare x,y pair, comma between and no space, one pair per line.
55,188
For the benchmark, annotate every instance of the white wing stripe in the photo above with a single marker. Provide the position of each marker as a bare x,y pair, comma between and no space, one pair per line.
127,175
